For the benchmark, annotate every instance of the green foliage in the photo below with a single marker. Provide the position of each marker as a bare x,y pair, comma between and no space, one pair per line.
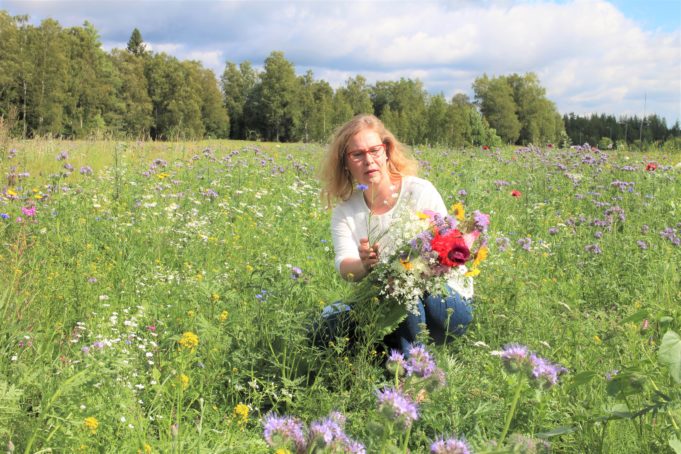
100,286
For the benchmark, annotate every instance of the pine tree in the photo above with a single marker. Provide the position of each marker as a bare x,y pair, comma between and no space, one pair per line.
136,45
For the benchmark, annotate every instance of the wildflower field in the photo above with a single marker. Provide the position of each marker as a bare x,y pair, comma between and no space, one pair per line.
157,297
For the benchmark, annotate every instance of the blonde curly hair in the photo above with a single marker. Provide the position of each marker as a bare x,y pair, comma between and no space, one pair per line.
337,183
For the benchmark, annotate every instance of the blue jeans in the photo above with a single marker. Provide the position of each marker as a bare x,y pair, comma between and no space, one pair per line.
433,312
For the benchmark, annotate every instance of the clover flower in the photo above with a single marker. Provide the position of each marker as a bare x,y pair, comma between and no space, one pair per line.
450,446
397,406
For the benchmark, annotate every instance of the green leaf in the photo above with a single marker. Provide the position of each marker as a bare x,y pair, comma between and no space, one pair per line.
392,316
636,317
675,444
670,354
562,430
583,378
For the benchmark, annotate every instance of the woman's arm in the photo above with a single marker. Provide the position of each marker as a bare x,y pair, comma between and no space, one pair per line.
355,269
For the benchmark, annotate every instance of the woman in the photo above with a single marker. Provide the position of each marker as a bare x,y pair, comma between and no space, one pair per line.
367,172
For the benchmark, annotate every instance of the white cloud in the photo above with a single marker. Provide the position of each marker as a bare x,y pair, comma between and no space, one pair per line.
587,53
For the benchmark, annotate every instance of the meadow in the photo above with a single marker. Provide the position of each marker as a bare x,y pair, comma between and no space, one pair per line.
157,297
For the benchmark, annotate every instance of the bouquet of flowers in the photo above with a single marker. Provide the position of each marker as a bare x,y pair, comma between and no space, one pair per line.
446,251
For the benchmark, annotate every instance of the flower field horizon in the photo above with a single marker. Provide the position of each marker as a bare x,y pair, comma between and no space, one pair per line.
158,297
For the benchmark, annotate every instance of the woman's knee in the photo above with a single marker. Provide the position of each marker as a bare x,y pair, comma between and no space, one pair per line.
448,315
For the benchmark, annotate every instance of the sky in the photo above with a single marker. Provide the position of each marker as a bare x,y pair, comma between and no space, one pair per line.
619,57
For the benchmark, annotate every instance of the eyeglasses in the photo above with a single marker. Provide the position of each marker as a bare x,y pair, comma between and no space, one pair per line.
375,152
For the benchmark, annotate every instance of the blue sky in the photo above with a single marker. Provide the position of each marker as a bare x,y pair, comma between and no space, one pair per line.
592,56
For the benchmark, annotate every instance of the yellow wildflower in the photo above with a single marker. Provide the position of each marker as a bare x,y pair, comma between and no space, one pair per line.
11,192
215,297
91,424
162,175
406,264
146,449
282,451
249,268
597,339
473,272
481,255
422,215
223,316
184,381
458,211
191,313
241,413
189,340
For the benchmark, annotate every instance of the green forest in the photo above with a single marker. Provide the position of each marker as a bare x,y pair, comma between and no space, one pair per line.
59,82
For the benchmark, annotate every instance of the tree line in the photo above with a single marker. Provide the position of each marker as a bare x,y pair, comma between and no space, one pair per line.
59,82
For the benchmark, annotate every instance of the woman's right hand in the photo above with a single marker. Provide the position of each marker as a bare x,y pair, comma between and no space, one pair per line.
368,254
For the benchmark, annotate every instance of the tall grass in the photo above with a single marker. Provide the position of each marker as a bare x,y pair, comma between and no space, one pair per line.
99,288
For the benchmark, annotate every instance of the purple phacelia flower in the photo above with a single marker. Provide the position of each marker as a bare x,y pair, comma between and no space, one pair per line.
450,446
397,406
593,248
284,431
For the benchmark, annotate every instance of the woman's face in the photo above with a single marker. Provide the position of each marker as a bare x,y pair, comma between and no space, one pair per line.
366,158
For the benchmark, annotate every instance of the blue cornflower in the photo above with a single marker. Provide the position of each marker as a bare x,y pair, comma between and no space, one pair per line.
362,187
4,215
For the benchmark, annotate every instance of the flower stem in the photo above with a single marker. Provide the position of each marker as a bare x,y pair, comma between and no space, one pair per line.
511,411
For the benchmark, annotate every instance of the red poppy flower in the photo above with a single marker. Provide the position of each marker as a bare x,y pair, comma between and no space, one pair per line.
550,145
651,166
485,147
451,248
516,193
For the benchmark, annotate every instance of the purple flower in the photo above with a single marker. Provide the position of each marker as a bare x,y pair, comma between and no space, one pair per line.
610,375
450,446
525,243
553,231
644,229
396,362
86,170
503,243
63,155
284,431
29,212
4,215
296,272
598,234
420,363
329,433
642,244
68,167
593,248
397,406
670,234
544,372
462,193
362,187
515,357
481,220
210,193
